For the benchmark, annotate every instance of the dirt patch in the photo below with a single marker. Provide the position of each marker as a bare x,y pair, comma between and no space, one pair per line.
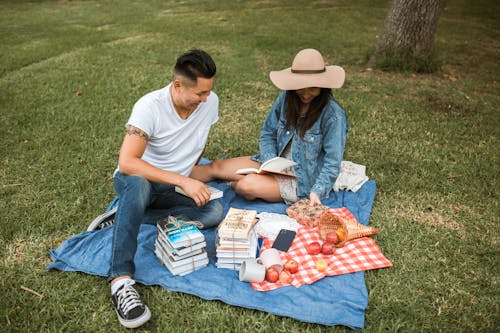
429,216
445,105
20,252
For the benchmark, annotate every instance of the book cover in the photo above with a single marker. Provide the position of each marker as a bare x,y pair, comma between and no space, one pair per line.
237,223
237,244
182,269
232,246
229,246
235,255
181,251
277,165
232,266
185,261
229,240
215,193
164,246
186,235
232,260
228,249
230,252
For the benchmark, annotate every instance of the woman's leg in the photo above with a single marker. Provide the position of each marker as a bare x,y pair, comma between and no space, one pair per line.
251,186
223,169
254,186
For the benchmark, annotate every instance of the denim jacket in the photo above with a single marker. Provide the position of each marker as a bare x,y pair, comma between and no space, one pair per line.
318,154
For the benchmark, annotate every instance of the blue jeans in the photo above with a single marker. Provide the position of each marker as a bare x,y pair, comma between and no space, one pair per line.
142,201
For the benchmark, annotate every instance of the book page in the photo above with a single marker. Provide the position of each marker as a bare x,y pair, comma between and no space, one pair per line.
274,165
277,164
246,171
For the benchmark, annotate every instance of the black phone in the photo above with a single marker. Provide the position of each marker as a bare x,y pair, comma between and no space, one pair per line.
284,240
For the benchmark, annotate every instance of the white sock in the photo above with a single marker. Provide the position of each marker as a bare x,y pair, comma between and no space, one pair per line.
117,285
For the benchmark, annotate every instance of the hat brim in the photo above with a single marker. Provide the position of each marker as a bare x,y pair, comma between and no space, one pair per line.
332,77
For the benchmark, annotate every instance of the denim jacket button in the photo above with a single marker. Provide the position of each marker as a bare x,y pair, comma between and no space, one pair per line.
287,132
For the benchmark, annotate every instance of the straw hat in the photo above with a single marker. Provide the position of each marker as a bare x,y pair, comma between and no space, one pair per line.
308,70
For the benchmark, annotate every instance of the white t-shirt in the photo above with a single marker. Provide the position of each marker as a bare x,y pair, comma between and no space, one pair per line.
174,143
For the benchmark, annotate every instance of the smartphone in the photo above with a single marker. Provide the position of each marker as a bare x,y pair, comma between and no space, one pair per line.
284,240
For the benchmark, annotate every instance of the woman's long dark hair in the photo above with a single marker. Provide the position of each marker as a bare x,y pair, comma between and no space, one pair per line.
293,104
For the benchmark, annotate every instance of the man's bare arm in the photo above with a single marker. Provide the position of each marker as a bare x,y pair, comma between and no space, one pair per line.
132,130
131,163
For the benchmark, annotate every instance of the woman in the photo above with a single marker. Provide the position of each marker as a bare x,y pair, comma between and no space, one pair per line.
306,125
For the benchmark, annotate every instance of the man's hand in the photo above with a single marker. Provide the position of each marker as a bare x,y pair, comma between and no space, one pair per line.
197,190
314,198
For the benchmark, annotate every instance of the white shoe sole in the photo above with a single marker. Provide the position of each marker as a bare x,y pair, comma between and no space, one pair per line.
100,218
137,321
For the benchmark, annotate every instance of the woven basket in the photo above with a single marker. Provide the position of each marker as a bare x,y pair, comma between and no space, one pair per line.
346,229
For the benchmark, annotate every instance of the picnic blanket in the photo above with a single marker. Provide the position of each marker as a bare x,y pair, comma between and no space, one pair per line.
333,300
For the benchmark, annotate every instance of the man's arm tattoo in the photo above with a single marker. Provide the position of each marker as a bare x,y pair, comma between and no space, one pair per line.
131,130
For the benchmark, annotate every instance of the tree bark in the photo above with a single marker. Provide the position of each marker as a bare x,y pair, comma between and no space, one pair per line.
409,28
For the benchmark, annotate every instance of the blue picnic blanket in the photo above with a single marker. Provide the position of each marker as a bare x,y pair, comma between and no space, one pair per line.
334,300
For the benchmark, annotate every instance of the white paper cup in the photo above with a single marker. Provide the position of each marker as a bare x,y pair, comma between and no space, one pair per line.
252,271
271,258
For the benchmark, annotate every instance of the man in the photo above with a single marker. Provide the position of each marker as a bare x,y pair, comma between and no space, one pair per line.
165,137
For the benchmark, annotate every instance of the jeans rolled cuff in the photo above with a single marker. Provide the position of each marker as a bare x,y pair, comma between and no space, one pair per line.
114,275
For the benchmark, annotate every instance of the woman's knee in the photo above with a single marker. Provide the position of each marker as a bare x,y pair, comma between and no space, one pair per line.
246,187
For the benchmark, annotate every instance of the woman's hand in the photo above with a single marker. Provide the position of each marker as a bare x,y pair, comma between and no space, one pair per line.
314,198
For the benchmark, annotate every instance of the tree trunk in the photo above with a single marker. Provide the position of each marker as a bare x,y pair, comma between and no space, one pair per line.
409,29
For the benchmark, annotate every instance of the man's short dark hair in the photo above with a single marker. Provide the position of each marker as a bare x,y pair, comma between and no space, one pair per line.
194,64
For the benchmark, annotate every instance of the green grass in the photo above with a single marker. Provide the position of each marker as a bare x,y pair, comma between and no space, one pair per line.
70,72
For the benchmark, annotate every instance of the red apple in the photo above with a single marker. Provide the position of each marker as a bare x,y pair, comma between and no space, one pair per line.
292,266
285,277
313,248
332,237
272,275
328,248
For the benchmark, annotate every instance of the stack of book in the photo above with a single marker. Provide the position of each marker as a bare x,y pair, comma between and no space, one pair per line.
236,239
180,247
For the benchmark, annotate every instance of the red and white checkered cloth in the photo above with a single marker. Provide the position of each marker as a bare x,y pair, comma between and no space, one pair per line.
359,254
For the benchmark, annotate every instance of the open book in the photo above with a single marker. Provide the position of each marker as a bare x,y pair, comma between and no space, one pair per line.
276,165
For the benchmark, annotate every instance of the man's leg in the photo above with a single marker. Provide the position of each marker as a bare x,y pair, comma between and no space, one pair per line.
134,194
169,202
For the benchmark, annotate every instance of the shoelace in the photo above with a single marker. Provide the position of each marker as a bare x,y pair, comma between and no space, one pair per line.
128,298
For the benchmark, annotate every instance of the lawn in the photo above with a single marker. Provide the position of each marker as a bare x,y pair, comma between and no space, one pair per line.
70,72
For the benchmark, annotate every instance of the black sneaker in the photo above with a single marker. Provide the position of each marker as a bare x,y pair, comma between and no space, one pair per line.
131,311
102,221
